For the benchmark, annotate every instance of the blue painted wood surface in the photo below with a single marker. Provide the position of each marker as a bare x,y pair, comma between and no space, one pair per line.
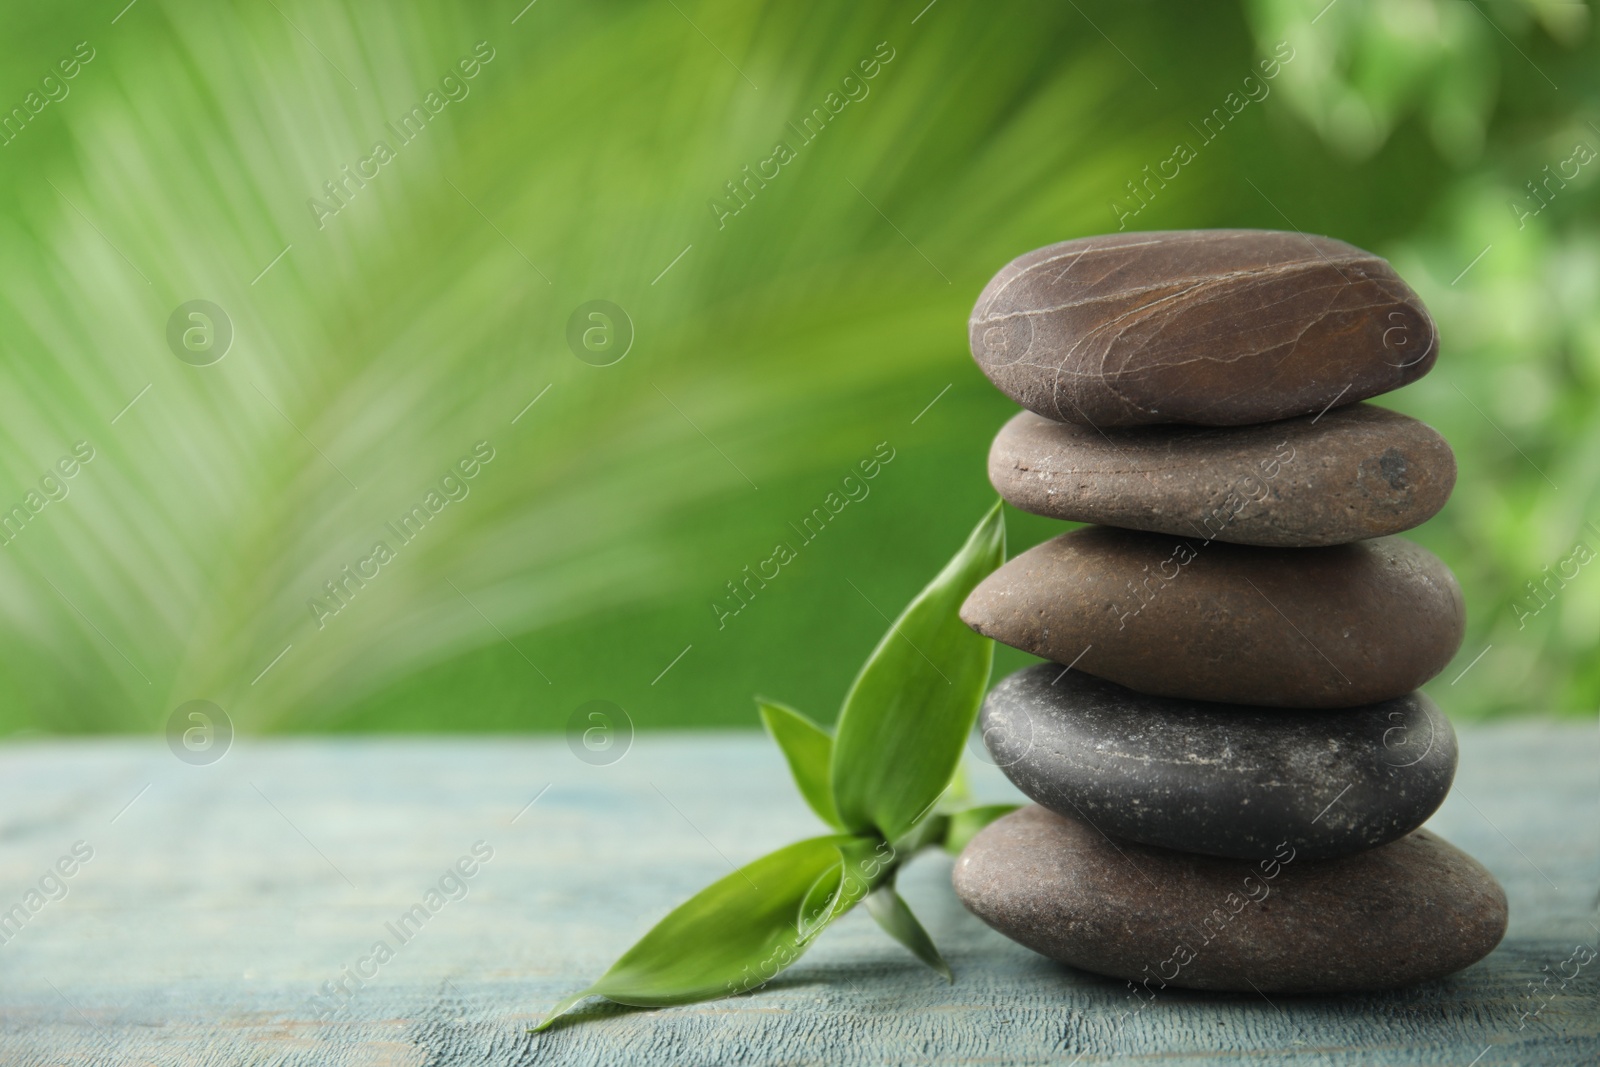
218,899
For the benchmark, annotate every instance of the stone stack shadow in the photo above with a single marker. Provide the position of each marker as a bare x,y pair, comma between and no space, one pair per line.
1228,750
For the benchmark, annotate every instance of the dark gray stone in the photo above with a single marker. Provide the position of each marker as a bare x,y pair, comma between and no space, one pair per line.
1221,779
1214,327
1356,472
1411,911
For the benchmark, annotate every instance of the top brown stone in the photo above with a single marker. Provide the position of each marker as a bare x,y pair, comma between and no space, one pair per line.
1212,327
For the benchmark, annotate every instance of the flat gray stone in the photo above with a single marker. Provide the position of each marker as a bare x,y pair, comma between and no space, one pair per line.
1355,472
1414,910
1214,327
1221,779
1332,627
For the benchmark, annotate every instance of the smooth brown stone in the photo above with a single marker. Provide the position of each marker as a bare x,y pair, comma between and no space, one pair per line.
1355,472
1214,327
1178,617
1414,910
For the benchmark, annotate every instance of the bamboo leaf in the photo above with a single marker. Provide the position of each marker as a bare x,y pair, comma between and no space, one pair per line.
809,750
737,932
892,913
909,712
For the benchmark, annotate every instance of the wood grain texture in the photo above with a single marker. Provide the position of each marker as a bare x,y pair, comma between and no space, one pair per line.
217,903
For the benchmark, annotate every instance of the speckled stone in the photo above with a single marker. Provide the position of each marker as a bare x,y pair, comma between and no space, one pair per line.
1214,327
1280,627
1220,779
1355,472
1411,911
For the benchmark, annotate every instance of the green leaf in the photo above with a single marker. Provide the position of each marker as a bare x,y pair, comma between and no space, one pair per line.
965,824
890,910
930,831
909,712
960,790
737,932
809,750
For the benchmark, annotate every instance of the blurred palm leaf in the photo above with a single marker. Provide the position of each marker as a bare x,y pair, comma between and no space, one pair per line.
775,352
424,316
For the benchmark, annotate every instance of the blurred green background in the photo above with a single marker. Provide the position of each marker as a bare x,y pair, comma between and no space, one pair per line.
774,348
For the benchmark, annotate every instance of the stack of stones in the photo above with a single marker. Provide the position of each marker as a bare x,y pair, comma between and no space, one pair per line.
1228,753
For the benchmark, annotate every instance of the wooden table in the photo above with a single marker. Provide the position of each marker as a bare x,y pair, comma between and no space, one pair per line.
219,898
